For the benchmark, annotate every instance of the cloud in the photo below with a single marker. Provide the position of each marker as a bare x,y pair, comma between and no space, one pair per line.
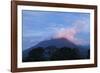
55,27
81,26
72,32
66,33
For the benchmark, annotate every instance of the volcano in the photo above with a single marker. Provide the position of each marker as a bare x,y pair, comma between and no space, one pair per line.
59,43
44,50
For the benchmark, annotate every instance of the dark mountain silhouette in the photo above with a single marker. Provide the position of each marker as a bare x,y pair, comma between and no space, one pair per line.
54,49
35,55
59,43
84,50
51,44
66,54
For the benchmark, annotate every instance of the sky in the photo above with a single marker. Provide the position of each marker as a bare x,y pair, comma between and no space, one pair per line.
44,25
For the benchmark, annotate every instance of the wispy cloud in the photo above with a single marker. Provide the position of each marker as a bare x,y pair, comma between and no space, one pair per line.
44,25
72,32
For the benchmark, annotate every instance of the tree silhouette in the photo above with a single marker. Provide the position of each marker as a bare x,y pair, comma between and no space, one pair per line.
65,54
49,51
35,55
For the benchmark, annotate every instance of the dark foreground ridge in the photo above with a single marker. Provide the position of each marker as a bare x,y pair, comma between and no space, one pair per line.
54,50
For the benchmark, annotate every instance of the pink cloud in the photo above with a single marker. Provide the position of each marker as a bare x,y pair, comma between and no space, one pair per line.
80,26
66,33
70,33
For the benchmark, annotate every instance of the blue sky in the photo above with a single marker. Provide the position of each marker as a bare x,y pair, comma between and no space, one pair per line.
44,25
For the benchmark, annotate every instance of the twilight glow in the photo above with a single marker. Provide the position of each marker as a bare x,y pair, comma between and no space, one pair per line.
44,25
